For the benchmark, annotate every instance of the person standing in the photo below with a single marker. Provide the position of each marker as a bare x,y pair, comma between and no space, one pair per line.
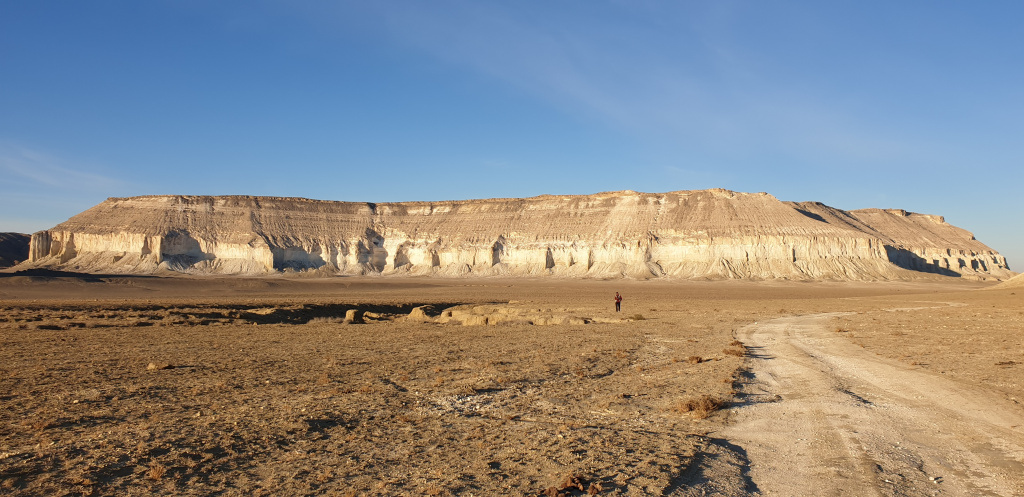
618,301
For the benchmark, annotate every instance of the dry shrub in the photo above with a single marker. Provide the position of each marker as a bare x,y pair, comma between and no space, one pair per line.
156,471
699,407
637,317
736,343
735,352
43,424
695,359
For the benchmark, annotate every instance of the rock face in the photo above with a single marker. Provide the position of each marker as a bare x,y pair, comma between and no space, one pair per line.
13,248
686,234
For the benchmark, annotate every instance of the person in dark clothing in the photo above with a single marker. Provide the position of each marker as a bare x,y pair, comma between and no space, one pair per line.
618,301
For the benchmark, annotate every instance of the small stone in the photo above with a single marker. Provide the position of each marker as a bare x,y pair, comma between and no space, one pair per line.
153,366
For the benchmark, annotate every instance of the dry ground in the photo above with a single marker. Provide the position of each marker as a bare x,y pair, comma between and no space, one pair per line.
976,337
258,386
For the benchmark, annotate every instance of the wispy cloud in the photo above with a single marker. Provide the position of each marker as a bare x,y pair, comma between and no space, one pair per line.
27,168
676,74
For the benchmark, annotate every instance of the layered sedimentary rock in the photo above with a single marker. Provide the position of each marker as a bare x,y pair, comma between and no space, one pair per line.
687,234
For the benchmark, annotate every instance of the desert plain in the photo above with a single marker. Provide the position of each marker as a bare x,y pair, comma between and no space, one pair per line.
291,385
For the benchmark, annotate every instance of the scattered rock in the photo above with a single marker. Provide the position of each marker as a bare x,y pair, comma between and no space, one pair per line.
353,316
418,315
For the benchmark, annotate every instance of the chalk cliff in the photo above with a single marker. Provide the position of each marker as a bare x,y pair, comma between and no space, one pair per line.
686,234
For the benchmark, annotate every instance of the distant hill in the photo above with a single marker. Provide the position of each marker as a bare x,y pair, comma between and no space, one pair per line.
703,234
13,248
1015,282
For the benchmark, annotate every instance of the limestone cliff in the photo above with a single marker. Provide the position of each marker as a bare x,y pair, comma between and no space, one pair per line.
687,234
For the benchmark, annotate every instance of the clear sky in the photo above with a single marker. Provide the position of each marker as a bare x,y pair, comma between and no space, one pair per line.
916,105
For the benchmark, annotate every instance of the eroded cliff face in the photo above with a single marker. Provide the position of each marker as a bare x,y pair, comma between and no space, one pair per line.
689,234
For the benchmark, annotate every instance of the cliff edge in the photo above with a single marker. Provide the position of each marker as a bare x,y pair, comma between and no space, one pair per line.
688,234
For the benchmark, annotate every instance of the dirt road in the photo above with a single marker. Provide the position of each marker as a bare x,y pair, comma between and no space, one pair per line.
822,416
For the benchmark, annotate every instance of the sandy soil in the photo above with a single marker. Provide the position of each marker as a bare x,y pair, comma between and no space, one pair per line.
823,416
114,385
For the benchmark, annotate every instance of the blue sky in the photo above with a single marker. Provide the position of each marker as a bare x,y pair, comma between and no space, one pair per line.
912,105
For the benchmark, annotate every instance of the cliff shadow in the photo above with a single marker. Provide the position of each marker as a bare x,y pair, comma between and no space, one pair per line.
297,258
812,215
145,314
370,252
43,273
909,260
306,313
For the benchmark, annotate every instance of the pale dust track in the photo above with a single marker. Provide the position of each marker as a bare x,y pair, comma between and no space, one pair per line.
821,416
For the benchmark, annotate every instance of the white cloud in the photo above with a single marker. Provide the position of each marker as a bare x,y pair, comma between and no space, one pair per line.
28,168
670,75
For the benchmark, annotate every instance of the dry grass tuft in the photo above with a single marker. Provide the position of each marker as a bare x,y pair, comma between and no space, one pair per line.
156,471
433,490
326,320
43,424
735,352
699,407
695,359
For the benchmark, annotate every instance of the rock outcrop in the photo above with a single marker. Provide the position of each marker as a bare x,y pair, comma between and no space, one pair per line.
13,248
687,234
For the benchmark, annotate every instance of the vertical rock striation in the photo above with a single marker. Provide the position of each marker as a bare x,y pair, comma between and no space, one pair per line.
687,234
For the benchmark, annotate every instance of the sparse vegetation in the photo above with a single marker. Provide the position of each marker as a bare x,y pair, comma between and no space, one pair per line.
699,407
156,471
331,409
327,320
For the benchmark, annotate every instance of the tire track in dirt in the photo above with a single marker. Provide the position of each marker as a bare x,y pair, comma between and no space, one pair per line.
821,416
